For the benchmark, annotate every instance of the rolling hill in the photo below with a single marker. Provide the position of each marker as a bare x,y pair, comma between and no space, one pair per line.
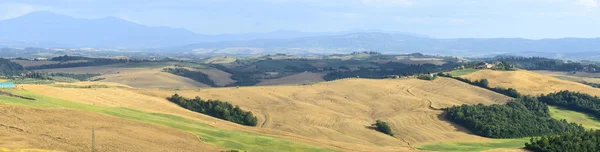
303,113
56,30
528,82
70,130
340,111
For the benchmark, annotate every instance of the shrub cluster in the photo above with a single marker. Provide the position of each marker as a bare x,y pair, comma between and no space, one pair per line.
216,108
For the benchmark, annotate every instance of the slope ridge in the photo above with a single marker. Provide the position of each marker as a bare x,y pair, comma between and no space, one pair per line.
531,83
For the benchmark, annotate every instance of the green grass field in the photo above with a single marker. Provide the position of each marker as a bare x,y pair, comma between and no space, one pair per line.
32,81
476,146
229,139
462,72
587,121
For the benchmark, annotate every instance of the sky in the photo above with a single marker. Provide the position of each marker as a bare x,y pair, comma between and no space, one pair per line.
533,19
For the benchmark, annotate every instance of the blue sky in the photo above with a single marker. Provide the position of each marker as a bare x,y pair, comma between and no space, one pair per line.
437,18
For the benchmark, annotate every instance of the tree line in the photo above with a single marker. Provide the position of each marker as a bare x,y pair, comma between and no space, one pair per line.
389,68
582,141
525,116
540,63
484,83
49,76
241,78
216,108
569,141
529,116
66,58
8,68
90,62
575,101
595,85
194,75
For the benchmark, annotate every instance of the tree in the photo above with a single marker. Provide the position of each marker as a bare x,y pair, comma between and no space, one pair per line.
383,127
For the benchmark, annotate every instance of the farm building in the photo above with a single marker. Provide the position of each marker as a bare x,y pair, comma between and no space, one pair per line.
484,65
6,85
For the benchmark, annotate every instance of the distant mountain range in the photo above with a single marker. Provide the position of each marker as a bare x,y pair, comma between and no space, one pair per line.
46,29
403,43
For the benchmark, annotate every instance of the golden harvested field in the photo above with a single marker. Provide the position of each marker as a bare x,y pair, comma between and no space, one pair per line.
300,78
151,78
330,114
70,130
341,111
530,82
578,77
220,78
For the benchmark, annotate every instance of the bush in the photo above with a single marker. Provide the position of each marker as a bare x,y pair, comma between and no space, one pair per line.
383,127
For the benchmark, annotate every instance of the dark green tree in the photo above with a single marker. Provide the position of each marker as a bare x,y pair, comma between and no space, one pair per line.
383,127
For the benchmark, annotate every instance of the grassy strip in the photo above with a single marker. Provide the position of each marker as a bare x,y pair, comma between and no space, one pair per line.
230,139
587,121
476,146
461,72
32,81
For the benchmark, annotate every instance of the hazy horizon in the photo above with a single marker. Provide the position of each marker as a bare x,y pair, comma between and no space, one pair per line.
531,19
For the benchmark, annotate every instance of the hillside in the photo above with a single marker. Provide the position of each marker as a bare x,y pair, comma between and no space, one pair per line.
300,78
151,78
147,75
62,129
329,114
528,82
341,110
577,77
